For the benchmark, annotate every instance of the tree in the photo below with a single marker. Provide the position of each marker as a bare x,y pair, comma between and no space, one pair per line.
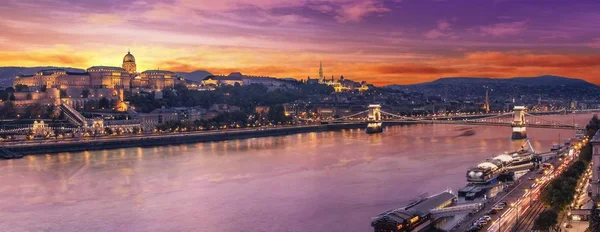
7,111
104,103
53,113
85,93
21,88
43,88
63,93
34,111
586,153
546,220
12,97
29,96
277,114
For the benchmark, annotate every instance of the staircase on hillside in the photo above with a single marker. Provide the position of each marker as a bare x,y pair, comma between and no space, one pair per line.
72,115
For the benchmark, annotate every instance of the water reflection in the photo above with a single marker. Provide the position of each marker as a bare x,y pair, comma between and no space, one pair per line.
301,182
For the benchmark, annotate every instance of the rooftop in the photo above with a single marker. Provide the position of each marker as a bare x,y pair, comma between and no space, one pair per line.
158,71
420,208
106,67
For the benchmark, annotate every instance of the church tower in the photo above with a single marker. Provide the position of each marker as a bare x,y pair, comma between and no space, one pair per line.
321,77
129,63
486,104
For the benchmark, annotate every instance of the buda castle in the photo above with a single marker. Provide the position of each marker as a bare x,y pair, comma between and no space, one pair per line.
100,77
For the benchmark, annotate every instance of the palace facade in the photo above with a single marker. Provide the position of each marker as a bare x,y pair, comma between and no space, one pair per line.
100,77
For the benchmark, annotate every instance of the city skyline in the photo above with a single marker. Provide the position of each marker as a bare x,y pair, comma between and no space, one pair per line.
379,41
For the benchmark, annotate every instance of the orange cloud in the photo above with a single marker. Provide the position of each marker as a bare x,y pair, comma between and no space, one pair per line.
376,69
42,59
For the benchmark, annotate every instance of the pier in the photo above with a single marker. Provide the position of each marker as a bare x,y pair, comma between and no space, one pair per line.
519,196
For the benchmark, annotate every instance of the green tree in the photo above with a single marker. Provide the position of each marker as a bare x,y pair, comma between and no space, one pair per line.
12,97
21,88
53,112
586,153
34,111
85,93
546,220
277,114
104,103
63,93
7,111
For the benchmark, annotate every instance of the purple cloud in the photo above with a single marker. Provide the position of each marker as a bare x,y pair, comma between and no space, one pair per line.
504,29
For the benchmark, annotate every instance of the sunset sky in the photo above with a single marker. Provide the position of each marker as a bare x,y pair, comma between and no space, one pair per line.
380,41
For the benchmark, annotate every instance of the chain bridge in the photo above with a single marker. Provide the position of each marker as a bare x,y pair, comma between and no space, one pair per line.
519,119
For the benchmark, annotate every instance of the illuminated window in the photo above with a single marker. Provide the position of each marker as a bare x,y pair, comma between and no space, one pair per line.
414,219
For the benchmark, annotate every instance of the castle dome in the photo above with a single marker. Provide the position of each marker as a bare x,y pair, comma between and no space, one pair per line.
128,58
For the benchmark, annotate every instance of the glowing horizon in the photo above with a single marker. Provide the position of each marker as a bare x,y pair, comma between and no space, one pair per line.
379,41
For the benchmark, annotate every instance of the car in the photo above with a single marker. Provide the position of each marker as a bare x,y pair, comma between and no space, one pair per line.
482,222
485,217
473,229
498,207
478,224
531,178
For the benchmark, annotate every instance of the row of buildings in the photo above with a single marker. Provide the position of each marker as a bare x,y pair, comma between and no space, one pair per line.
237,78
339,85
100,77
126,77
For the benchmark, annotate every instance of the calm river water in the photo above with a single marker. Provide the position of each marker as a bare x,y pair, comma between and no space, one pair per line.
329,181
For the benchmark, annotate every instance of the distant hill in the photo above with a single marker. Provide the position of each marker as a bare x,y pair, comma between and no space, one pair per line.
197,75
475,87
7,74
546,80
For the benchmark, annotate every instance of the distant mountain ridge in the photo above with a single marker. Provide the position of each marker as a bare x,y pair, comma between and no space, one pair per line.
545,80
197,75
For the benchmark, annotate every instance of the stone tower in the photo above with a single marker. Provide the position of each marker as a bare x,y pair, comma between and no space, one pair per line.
321,77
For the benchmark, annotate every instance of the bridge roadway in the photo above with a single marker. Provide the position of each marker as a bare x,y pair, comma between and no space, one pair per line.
523,193
462,122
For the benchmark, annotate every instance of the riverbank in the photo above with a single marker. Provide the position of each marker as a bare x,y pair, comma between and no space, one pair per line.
99,143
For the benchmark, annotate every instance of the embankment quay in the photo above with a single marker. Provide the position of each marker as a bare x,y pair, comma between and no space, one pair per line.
46,146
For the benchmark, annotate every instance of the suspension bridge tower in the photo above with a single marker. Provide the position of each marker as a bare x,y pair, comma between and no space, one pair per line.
374,120
519,131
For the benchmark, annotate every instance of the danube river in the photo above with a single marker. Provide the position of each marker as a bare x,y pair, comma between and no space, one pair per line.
326,181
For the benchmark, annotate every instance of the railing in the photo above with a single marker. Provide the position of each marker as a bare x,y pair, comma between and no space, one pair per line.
455,209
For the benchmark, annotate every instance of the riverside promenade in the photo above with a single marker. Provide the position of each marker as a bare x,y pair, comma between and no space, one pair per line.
45,146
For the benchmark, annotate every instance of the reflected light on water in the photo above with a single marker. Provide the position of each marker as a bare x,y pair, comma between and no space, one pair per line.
301,182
